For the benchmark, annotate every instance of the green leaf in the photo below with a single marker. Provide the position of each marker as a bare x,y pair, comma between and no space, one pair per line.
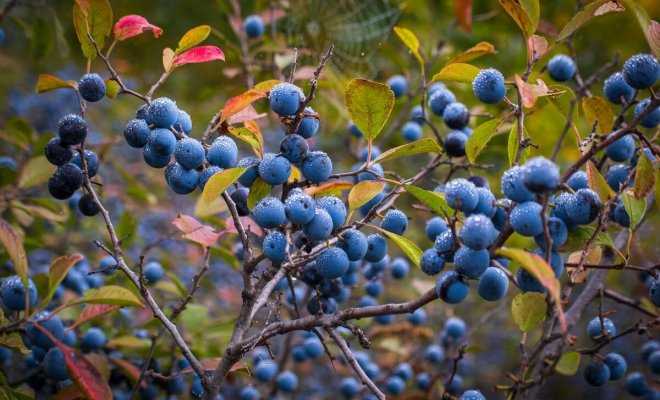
93,17
57,272
48,82
598,112
214,187
17,131
539,269
126,228
525,13
458,72
410,40
593,9
644,176
568,363
513,143
597,183
192,38
433,200
480,138
111,294
426,145
35,172
180,287
634,207
250,137
112,88
369,105
129,342
408,248
13,341
13,243
194,317
364,191
649,27
258,191
529,310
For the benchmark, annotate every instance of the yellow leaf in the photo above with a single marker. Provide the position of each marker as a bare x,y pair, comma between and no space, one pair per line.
14,245
598,112
476,51
47,82
364,191
168,58
597,182
420,146
410,40
217,184
459,72
192,38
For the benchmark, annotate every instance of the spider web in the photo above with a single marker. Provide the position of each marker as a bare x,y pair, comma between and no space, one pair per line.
356,27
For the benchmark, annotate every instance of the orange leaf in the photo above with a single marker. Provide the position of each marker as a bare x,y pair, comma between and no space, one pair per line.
531,92
92,311
463,14
329,188
247,114
238,103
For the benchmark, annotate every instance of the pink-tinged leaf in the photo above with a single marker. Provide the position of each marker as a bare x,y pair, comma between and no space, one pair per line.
238,103
92,311
304,73
537,47
129,26
82,371
248,224
199,54
463,14
272,15
531,92
246,114
195,231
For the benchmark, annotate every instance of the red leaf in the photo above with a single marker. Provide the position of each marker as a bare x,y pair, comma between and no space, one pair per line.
195,231
246,114
88,379
463,13
92,311
199,54
133,25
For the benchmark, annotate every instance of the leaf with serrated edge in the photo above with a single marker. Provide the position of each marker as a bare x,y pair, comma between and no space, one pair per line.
528,310
369,105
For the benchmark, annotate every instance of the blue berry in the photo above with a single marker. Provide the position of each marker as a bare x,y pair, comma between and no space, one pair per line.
254,26
395,221
455,328
309,124
417,317
335,207
411,131
472,395
456,115
320,227
455,143
162,141
417,114
287,381
399,268
285,99
540,175
181,180
56,153
153,272
451,288
395,385
93,339
332,263
597,373
269,213
578,181
12,293
617,365
403,371
354,130
317,167
471,263
298,354
527,282
91,159
488,86
155,159
558,234
65,181
445,243
274,169
439,99
434,227
354,243
654,362
650,120
513,185
597,331
266,370
617,175
251,165
162,112
249,393
72,129
275,247
91,87
55,366
585,208
299,208
137,133
617,90
649,348
462,195
636,384
189,153
398,84
376,248
561,68
486,204
641,71
434,354
51,323
374,288
455,386
526,218
493,284
183,122
477,232
294,148
654,289
621,149
223,152
349,387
